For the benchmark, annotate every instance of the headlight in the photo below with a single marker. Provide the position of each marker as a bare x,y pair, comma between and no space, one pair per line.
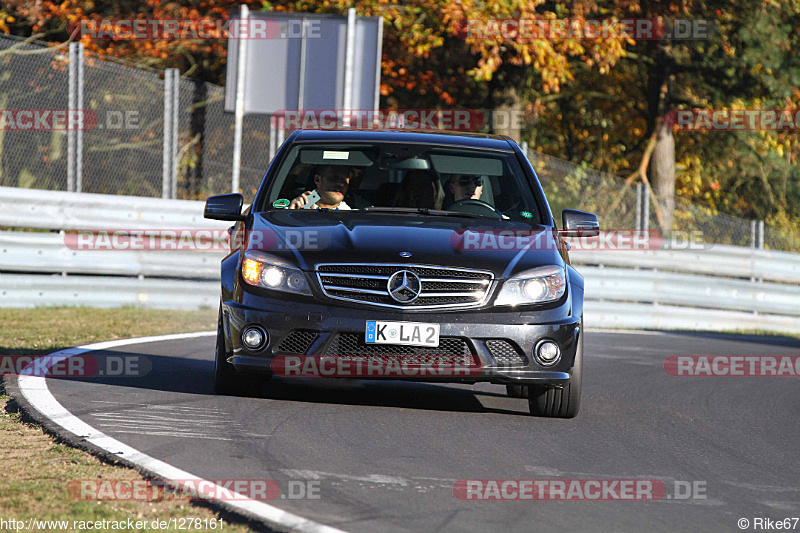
539,285
265,270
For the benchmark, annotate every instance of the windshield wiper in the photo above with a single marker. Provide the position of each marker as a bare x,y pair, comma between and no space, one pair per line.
422,211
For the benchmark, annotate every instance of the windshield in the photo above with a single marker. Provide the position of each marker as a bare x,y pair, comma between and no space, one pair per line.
390,177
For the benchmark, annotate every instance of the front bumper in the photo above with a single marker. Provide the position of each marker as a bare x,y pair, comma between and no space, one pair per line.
519,329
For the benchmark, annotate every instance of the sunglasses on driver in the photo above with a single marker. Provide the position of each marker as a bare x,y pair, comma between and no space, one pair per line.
464,181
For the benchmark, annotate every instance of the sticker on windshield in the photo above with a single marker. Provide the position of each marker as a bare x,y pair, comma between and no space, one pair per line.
281,203
329,154
526,214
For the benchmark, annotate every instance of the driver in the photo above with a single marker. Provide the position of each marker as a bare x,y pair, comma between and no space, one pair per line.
466,187
332,182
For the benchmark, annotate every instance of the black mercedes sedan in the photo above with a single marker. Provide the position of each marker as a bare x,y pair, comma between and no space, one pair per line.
425,256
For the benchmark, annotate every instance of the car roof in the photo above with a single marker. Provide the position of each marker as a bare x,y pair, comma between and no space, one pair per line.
438,137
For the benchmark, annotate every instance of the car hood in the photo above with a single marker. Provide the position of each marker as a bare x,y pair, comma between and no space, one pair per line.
309,238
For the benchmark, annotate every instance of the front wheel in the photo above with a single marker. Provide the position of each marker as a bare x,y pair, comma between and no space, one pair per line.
563,402
227,381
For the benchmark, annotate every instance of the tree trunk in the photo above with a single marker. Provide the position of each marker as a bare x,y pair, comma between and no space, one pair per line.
661,171
194,181
507,114
662,174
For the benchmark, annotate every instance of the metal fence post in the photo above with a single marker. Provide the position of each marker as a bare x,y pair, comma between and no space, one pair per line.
169,161
79,130
760,234
176,85
281,133
75,81
166,163
273,136
70,130
646,207
753,234
639,187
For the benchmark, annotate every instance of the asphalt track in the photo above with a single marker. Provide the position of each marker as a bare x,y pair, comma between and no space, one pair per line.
386,455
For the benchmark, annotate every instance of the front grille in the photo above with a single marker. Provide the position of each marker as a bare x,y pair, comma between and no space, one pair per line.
438,286
352,345
297,342
505,354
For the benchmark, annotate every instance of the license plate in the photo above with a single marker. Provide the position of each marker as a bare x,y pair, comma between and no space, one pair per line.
406,333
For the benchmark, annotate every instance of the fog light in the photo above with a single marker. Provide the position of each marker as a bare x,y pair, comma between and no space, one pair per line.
254,338
547,353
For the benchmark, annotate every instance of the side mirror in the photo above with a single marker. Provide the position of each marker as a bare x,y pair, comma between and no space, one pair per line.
225,207
579,223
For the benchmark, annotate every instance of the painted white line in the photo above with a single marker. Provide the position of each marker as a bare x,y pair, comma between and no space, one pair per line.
35,390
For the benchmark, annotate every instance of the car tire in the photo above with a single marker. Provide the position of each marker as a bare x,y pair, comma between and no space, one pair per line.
560,402
227,381
515,391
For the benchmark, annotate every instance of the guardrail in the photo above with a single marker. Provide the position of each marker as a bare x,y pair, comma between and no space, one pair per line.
719,288
717,260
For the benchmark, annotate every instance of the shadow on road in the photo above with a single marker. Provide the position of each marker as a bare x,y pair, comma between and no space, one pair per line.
192,375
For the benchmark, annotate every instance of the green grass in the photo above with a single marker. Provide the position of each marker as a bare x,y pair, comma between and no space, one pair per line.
46,329
35,469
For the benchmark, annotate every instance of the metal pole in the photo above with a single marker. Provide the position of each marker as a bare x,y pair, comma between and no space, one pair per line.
174,134
301,86
349,65
79,130
753,243
646,207
73,67
377,102
639,188
281,132
273,136
760,234
166,161
241,69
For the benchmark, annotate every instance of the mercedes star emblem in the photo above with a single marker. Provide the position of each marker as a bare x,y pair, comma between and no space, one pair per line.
404,286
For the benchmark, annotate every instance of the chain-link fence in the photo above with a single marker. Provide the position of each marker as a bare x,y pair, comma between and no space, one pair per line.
32,77
570,186
123,129
123,146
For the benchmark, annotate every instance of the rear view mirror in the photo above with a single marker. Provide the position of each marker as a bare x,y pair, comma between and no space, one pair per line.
225,207
579,223
412,163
